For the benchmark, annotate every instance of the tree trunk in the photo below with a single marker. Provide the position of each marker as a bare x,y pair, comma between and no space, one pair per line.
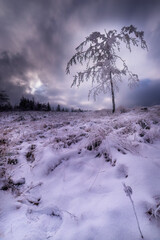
112,92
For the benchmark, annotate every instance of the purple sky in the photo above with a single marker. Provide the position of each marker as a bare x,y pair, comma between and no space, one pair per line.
38,37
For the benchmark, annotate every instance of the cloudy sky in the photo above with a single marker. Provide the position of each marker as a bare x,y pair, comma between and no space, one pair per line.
38,37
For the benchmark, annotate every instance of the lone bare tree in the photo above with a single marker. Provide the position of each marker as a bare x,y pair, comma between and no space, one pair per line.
103,64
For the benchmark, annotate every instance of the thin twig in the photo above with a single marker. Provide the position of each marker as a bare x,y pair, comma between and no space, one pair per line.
128,191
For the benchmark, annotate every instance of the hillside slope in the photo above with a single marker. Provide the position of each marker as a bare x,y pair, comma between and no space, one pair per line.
62,175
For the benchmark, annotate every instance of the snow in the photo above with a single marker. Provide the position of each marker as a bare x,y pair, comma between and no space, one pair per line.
62,175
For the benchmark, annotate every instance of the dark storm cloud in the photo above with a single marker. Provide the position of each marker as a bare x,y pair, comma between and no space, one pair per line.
43,32
13,69
39,26
13,65
36,28
147,94
101,10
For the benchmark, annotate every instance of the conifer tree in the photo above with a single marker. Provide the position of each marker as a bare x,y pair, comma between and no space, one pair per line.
58,109
48,107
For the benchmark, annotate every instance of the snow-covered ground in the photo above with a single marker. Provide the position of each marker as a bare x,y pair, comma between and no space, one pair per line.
62,175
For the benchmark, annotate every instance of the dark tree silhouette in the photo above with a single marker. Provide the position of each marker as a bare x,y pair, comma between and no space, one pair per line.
30,105
48,107
4,102
3,97
58,109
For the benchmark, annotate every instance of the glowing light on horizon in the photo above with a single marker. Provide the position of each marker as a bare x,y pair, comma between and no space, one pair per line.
35,82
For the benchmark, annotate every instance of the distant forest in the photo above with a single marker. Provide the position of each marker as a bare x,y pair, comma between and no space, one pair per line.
26,104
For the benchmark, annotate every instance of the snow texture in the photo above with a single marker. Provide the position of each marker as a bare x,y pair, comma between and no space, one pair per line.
62,175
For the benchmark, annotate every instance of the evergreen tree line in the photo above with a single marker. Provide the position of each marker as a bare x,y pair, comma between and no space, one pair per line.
30,105
26,104
59,108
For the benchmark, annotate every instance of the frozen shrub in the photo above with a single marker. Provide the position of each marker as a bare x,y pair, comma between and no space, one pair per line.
107,157
95,137
144,109
33,146
124,145
154,210
118,125
152,135
3,141
122,109
34,202
143,124
121,151
94,144
2,172
13,185
141,134
67,141
113,163
128,130
12,161
30,156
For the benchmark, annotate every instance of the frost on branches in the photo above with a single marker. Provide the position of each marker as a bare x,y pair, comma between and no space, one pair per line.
99,53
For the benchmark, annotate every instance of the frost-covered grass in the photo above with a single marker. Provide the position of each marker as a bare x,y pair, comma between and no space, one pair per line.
61,175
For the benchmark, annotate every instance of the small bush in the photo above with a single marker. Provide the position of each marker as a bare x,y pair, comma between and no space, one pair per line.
143,124
30,156
12,161
122,109
154,210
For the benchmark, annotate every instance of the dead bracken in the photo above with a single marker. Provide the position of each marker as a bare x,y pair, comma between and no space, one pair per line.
30,156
